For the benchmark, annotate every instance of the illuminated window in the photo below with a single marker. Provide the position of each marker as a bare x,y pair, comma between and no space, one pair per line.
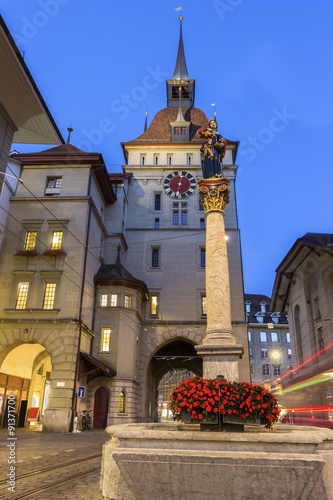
49,294
114,300
106,336
128,301
104,300
263,337
56,240
204,306
22,293
289,353
265,369
264,353
288,337
275,337
122,398
30,240
153,305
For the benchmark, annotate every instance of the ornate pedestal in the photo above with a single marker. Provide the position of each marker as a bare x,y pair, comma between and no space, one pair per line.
219,350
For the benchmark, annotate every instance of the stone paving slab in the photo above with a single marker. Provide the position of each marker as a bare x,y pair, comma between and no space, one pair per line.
36,451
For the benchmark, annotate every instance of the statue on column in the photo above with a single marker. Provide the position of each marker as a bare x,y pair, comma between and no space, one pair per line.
212,151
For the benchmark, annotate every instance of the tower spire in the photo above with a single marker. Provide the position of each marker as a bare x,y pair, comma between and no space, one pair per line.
180,72
146,119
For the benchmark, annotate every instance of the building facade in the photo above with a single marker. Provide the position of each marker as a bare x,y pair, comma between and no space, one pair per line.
304,288
269,340
103,275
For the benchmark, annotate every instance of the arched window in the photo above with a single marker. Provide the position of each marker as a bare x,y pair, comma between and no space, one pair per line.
122,401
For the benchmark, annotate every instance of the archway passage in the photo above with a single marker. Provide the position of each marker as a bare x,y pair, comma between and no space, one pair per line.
101,407
177,356
25,378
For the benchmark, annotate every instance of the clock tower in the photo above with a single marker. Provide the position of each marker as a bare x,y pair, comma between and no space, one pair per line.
165,232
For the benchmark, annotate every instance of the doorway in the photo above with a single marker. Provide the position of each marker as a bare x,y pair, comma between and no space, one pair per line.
101,407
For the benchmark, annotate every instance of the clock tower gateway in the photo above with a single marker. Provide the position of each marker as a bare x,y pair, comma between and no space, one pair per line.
165,230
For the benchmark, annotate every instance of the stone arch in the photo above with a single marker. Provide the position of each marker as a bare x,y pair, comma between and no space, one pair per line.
169,354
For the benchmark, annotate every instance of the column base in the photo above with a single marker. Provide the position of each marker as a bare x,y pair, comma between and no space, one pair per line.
220,360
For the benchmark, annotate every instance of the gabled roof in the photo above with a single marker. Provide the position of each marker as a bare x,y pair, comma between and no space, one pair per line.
117,275
21,99
301,249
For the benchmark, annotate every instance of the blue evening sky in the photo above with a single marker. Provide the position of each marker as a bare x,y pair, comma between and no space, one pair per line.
266,65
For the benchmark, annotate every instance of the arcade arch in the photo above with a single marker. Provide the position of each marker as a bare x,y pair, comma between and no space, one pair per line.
25,372
177,355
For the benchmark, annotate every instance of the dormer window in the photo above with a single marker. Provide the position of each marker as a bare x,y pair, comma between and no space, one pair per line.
247,307
263,307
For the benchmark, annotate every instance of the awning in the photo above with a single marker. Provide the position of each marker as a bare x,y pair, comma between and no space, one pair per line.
96,368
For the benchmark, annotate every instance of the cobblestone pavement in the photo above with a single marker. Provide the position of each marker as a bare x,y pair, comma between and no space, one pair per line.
59,454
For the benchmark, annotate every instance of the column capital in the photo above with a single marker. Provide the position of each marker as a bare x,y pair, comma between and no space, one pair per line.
214,194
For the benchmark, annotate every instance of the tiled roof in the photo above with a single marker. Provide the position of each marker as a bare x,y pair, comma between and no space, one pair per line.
64,149
159,129
116,274
255,300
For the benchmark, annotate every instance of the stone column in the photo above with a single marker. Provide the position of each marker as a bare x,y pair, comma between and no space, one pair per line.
219,350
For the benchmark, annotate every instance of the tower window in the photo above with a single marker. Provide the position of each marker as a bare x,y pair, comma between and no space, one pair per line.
142,159
106,336
175,219
155,159
157,223
155,257
184,217
53,186
169,160
122,398
114,300
127,301
202,223
157,201
203,257
183,130
153,305
204,306
104,300
189,159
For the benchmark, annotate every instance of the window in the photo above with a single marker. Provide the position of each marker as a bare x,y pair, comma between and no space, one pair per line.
142,159
106,336
189,159
265,369
277,370
262,307
289,353
175,218
153,305
122,397
157,201
184,218
321,342
169,159
157,223
155,257
275,337
183,130
53,186
177,130
260,319
22,293
264,353
114,300
250,352
56,240
247,308
288,337
275,319
49,294
155,159
249,336
127,301
203,257
202,223
263,337
204,306
104,300
30,240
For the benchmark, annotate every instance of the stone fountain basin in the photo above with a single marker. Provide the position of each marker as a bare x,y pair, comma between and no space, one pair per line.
171,461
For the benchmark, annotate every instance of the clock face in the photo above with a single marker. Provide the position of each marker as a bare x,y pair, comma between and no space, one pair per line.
179,185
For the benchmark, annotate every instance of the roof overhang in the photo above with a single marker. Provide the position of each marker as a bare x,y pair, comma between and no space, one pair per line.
21,99
96,367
